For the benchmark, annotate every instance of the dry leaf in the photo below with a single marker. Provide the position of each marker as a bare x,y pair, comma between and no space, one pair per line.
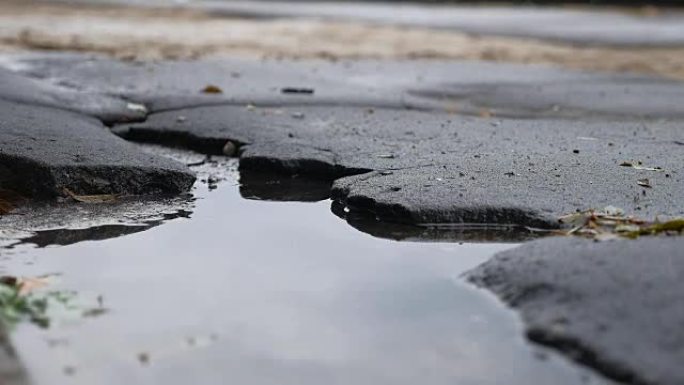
212,89
24,285
611,223
27,285
101,198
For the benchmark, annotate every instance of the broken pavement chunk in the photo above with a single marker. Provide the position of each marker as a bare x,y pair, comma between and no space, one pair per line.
599,302
46,150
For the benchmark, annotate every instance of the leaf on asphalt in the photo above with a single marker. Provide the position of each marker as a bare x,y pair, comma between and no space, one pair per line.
27,285
611,223
212,89
671,226
639,166
100,198
24,285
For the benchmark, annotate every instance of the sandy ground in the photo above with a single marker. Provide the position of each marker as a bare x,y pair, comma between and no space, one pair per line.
144,34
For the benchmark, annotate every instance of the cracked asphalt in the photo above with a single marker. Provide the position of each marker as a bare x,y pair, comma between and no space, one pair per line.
407,143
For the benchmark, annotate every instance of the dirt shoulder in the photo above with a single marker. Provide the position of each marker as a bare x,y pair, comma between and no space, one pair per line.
148,33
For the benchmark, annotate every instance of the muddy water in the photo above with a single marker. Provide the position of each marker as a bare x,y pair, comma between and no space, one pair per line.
255,292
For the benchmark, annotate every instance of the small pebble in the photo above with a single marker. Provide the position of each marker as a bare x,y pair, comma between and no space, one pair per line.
229,149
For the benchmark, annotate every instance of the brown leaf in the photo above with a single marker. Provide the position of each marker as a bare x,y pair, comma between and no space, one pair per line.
27,285
101,198
212,89
24,285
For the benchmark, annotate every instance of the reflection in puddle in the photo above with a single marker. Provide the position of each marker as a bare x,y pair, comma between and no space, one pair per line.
256,292
289,188
461,233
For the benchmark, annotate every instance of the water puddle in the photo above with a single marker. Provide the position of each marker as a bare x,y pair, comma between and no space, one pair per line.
248,291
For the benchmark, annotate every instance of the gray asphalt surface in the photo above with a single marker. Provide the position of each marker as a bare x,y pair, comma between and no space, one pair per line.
465,88
408,143
616,306
45,150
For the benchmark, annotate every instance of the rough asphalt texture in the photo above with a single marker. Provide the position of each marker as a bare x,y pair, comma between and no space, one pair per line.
44,151
440,168
406,142
444,167
616,306
464,88
20,89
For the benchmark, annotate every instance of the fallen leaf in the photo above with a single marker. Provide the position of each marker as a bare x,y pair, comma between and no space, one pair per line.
212,89
100,198
612,223
27,285
24,285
